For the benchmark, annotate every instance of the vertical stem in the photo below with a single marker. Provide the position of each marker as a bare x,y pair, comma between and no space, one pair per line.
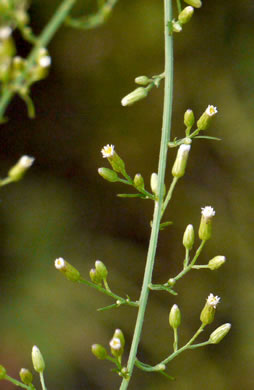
43,40
166,127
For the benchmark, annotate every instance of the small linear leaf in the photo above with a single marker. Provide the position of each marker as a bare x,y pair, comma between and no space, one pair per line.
208,137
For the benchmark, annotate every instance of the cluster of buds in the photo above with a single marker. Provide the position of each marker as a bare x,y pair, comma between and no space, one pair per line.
185,15
99,273
116,344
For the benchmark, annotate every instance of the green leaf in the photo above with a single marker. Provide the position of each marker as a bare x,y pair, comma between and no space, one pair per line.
131,196
163,225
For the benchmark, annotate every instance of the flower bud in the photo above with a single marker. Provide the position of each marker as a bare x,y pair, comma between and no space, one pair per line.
101,270
176,26
180,163
206,117
216,262
95,278
171,282
67,269
142,80
186,15
116,347
194,3
154,183
108,174
37,359
219,333
175,317
188,237
115,161
26,376
189,117
134,96
119,334
205,227
99,351
2,372
18,170
208,312
139,182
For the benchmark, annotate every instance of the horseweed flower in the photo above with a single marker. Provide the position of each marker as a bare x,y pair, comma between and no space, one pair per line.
208,312
108,151
205,228
211,110
67,269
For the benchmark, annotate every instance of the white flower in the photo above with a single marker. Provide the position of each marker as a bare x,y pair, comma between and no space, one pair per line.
59,263
45,61
5,32
115,343
207,212
108,151
213,300
26,161
211,110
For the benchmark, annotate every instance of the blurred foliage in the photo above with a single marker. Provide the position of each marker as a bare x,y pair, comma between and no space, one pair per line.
63,208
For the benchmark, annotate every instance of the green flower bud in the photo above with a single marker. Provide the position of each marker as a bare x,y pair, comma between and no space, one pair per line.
189,117
171,282
208,312
116,162
134,96
194,3
139,182
2,372
101,270
176,26
188,237
186,15
175,317
95,278
205,227
206,117
219,333
180,163
108,174
216,262
37,359
116,347
18,170
142,80
154,183
67,269
26,376
119,334
99,351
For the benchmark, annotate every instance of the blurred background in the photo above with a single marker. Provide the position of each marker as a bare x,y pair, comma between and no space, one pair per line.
64,208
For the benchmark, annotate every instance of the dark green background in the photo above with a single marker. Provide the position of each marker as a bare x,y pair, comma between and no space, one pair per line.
64,208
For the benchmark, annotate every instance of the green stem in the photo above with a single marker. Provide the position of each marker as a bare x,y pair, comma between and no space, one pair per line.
179,7
186,346
189,267
166,127
17,383
169,195
108,292
175,344
42,381
42,41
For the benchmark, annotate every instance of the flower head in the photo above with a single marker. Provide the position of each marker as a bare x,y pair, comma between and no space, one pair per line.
59,263
213,300
115,343
211,110
45,61
207,211
26,161
108,151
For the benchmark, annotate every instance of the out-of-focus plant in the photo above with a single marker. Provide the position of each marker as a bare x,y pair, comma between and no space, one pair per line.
17,75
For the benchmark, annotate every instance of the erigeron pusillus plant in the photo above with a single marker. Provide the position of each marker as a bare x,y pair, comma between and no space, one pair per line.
17,76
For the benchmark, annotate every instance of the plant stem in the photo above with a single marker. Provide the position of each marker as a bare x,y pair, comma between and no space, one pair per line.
43,40
17,383
169,195
42,381
189,267
166,127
